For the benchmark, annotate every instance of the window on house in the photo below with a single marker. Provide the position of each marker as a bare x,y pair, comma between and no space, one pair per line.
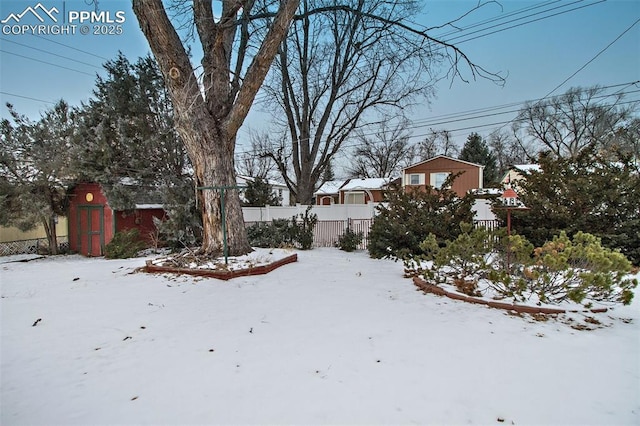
414,179
438,179
354,198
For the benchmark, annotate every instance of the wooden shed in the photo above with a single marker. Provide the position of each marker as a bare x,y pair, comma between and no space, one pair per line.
93,222
436,170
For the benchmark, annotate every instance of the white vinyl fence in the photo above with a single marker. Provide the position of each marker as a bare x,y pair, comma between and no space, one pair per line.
334,219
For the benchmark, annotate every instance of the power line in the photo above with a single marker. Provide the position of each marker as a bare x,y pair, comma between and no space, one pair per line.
475,127
48,63
26,97
71,47
49,53
488,21
486,112
593,59
265,97
522,23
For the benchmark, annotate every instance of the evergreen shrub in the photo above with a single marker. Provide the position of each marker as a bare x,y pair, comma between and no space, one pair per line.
297,231
125,244
577,269
350,240
410,216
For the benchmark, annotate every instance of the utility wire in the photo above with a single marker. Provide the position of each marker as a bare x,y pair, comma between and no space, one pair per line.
479,113
594,58
26,97
48,63
465,128
70,47
49,53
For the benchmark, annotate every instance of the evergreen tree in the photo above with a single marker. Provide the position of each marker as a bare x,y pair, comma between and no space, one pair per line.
33,169
259,193
404,222
475,150
127,128
584,193
128,137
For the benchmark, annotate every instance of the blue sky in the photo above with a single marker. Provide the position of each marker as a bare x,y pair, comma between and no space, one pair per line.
535,57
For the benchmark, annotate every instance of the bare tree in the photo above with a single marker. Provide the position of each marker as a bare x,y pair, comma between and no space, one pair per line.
437,142
211,107
507,151
252,163
342,63
383,153
567,124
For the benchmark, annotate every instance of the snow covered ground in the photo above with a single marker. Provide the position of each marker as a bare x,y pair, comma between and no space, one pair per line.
334,338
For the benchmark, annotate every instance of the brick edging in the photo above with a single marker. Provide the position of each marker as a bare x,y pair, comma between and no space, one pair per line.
434,289
221,275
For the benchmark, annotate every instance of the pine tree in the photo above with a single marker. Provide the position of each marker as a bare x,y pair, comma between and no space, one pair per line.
33,169
584,193
129,140
259,193
403,223
475,150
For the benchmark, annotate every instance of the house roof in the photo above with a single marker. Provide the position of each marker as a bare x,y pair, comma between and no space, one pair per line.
368,183
521,168
242,179
526,167
446,157
330,187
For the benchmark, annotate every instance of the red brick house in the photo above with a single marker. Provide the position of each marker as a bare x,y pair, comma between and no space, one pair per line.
436,170
93,223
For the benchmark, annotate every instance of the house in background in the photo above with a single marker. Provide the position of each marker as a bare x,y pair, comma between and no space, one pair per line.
435,171
351,191
328,193
280,190
519,172
363,191
93,222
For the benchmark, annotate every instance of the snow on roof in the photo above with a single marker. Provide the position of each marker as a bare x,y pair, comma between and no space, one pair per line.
242,179
330,187
368,183
527,167
149,206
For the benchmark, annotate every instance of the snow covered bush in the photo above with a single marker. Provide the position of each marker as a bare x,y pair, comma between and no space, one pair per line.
409,217
278,233
577,270
124,244
350,240
304,225
297,231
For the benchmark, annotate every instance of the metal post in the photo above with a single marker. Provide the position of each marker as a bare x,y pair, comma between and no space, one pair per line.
508,240
223,217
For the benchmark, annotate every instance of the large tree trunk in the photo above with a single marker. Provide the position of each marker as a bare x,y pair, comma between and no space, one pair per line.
217,170
209,112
